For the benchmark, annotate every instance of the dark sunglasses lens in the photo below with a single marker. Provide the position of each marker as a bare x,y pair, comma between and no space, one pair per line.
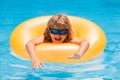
53,31
63,32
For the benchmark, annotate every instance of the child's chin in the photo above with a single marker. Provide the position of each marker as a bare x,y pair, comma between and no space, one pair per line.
57,42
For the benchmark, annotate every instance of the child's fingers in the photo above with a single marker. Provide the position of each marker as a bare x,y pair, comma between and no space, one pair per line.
37,66
33,66
73,57
41,64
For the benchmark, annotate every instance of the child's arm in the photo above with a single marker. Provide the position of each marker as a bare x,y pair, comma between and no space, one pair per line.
84,45
30,47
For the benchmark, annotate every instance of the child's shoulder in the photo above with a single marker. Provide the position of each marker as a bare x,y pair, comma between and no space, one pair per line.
38,40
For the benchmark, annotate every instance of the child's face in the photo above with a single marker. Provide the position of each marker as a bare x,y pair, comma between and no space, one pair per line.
58,36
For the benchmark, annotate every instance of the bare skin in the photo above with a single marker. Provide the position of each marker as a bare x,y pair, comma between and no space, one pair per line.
30,46
84,45
36,63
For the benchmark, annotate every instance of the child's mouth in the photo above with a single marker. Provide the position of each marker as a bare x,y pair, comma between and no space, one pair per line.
57,39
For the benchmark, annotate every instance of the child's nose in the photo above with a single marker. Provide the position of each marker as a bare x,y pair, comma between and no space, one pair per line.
58,35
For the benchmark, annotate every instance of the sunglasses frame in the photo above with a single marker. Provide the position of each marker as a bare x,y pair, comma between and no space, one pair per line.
59,31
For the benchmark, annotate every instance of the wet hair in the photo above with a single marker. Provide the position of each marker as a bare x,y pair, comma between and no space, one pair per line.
59,21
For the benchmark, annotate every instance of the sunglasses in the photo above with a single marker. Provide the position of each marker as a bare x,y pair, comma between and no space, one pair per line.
61,32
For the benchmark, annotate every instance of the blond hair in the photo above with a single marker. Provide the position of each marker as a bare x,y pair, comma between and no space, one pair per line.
59,21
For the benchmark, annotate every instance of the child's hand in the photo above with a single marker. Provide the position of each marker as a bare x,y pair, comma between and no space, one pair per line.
36,64
76,56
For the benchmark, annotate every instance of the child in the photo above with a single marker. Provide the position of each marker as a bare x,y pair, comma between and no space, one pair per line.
58,30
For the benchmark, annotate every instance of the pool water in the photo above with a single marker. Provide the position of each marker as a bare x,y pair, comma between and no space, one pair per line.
105,13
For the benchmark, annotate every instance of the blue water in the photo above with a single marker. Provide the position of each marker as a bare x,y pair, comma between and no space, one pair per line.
106,13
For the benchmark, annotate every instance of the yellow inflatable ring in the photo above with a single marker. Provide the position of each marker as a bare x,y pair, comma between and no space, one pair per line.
50,52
